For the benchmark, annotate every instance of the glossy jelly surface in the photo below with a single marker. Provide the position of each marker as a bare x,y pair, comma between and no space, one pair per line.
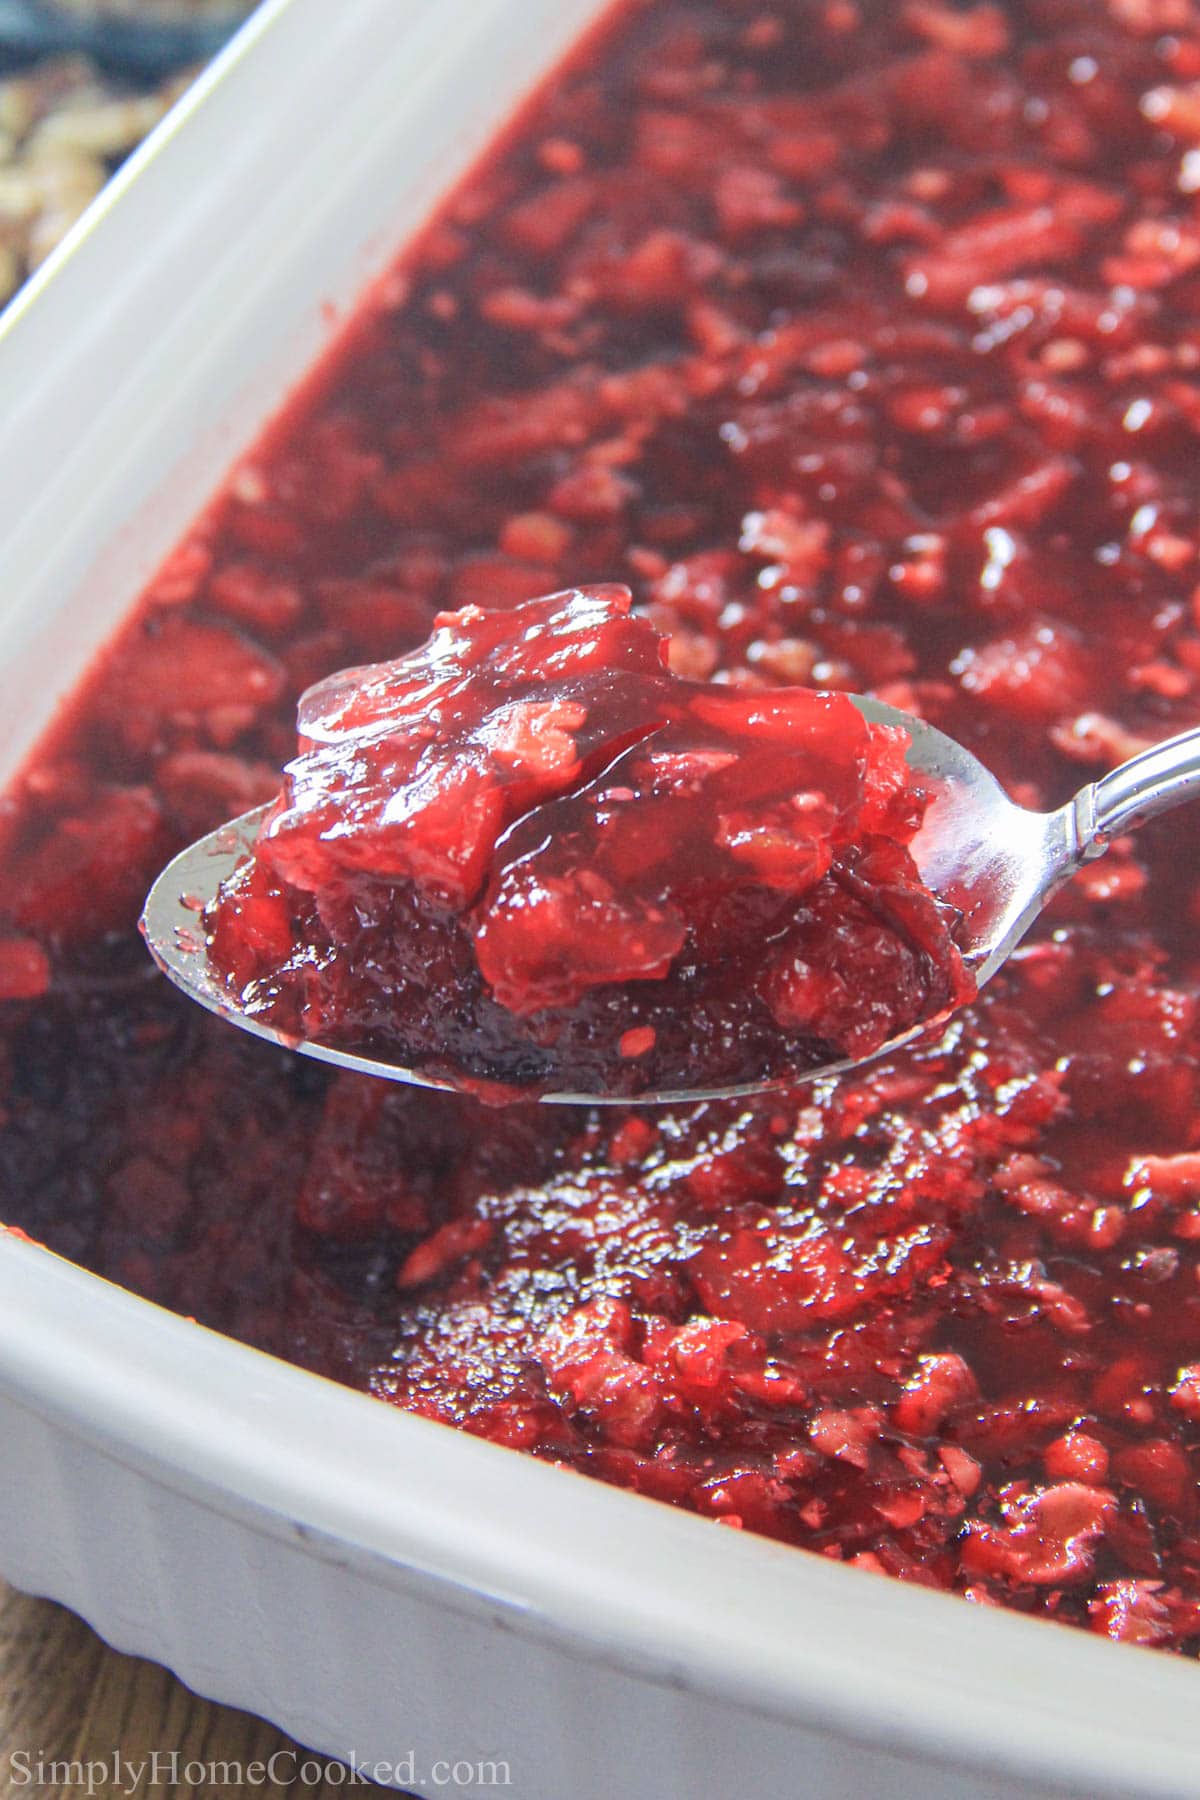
528,857
861,341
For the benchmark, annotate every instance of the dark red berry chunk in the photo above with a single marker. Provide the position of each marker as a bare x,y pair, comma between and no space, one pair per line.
529,855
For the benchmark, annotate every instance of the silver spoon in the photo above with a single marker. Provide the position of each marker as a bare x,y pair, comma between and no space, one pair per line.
997,862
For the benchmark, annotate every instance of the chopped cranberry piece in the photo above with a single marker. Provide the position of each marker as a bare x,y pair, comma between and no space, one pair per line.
24,969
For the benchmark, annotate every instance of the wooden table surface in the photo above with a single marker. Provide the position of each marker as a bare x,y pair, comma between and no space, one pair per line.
66,1697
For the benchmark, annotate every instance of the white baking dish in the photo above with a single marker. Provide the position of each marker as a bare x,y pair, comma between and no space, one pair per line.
384,1587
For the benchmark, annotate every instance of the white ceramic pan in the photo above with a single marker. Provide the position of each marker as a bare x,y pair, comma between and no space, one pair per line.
383,1587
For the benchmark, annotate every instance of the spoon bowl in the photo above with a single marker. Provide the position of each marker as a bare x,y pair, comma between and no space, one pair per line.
996,862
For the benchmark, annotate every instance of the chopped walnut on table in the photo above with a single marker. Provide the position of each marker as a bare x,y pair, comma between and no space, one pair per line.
64,129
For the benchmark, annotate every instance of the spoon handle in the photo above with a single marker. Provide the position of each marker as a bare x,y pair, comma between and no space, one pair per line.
1137,790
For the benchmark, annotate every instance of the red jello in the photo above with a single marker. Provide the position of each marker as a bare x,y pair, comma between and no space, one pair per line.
529,857
861,340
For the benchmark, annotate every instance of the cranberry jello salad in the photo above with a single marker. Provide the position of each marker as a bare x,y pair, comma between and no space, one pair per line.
859,339
529,852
